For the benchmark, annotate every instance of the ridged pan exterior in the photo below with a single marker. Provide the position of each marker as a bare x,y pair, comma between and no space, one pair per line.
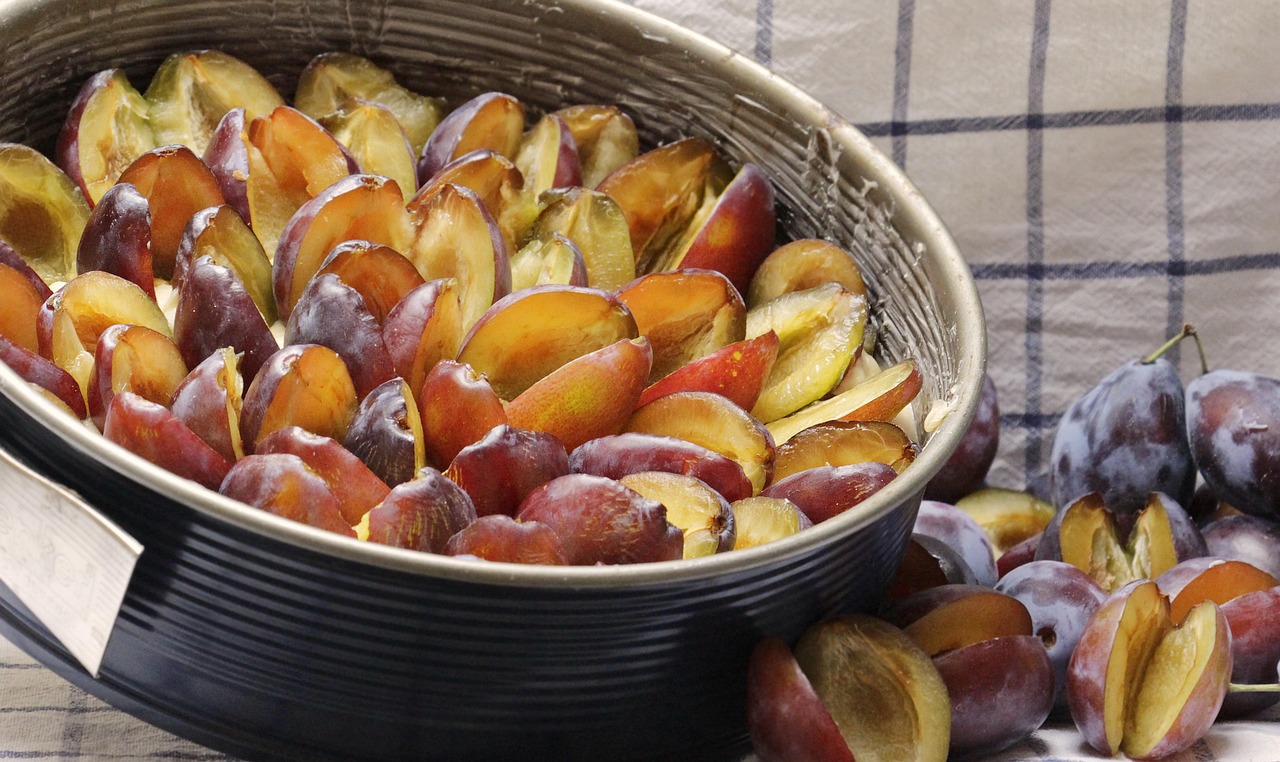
275,641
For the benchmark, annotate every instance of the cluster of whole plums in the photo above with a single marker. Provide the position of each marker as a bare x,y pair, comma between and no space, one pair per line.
1139,595
462,331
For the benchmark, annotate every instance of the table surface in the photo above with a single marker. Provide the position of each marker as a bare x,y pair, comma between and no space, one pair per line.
1109,169
44,717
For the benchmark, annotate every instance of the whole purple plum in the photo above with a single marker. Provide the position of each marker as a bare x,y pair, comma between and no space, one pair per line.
1125,438
1233,425
1061,599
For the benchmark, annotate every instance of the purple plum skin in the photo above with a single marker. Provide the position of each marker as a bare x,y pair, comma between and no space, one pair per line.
215,311
1255,650
617,455
331,313
966,470
1061,599
117,237
1001,690
1125,438
1233,425
956,528
1246,538
380,436
824,492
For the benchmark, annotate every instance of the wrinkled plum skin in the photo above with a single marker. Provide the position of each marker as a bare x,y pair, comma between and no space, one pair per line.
954,527
1233,424
381,436
966,470
1061,599
421,513
1125,438
284,485
499,537
600,521
505,465
1245,538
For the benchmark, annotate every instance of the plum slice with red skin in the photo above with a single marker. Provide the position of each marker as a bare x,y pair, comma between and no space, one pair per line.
284,485
153,432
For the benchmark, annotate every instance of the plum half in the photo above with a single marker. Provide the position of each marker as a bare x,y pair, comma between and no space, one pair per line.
854,687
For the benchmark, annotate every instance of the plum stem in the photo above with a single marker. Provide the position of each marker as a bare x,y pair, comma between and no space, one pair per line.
1250,688
1187,330
1204,361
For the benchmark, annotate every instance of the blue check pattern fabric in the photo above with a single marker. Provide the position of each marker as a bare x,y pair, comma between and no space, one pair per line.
1110,169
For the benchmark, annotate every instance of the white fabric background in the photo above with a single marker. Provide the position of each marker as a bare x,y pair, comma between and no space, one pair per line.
1110,170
